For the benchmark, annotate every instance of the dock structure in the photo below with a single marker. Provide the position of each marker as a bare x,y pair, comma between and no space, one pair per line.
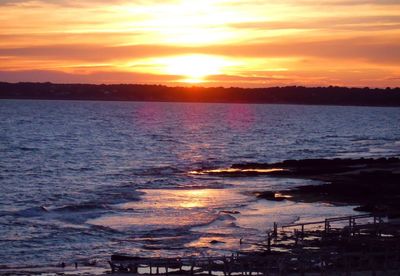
353,223
366,244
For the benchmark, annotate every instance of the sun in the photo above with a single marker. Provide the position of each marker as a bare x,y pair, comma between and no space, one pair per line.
194,68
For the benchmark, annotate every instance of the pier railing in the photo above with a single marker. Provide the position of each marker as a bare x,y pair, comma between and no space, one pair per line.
353,221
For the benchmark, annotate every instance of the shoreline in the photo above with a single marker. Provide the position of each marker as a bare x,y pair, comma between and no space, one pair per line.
370,183
54,270
329,95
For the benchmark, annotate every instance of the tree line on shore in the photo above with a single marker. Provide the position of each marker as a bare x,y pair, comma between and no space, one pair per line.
331,95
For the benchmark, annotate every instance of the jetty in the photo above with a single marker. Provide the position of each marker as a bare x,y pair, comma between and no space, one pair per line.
366,244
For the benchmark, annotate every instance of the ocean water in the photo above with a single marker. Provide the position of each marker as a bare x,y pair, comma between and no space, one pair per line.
82,180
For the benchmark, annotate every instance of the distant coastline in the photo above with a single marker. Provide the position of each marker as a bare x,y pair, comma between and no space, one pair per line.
331,95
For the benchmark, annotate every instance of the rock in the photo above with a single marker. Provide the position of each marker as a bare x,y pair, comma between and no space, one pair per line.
268,195
216,241
233,212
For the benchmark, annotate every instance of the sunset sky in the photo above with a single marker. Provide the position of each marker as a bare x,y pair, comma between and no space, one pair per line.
250,43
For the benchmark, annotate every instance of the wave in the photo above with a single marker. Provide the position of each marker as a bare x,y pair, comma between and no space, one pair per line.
81,207
167,246
165,238
80,169
224,217
27,149
72,215
164,170
32,212
119,194
42,210
167,184
101,228
162,183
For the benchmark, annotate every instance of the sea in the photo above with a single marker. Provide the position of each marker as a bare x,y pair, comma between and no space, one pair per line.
81,180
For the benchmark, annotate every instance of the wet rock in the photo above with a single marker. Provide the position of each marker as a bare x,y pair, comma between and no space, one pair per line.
233,212
216,242
268,195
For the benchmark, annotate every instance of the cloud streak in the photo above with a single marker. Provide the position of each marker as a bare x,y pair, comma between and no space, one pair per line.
365,48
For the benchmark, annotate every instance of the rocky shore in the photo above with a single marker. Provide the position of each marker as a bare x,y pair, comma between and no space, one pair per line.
372,184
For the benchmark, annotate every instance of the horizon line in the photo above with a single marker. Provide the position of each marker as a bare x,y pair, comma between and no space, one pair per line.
204,87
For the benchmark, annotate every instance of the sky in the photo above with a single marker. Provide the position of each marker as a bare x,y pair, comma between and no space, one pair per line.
248,43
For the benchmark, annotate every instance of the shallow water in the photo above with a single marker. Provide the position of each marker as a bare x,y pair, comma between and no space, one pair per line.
80,180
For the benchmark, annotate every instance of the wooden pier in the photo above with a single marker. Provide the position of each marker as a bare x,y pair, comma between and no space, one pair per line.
377,221
363,243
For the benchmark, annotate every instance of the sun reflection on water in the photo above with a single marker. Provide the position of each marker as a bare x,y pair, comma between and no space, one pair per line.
234,170
171,208
197,198
179,198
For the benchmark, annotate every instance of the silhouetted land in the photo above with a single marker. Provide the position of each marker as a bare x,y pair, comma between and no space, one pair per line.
331,95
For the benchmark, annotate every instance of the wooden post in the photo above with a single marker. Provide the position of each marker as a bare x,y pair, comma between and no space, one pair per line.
192,268
266,269
180,264
112,267
301,266
373,265
347,265
133,268
327,226
322,268
225,267
269,242
242,268
281,266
